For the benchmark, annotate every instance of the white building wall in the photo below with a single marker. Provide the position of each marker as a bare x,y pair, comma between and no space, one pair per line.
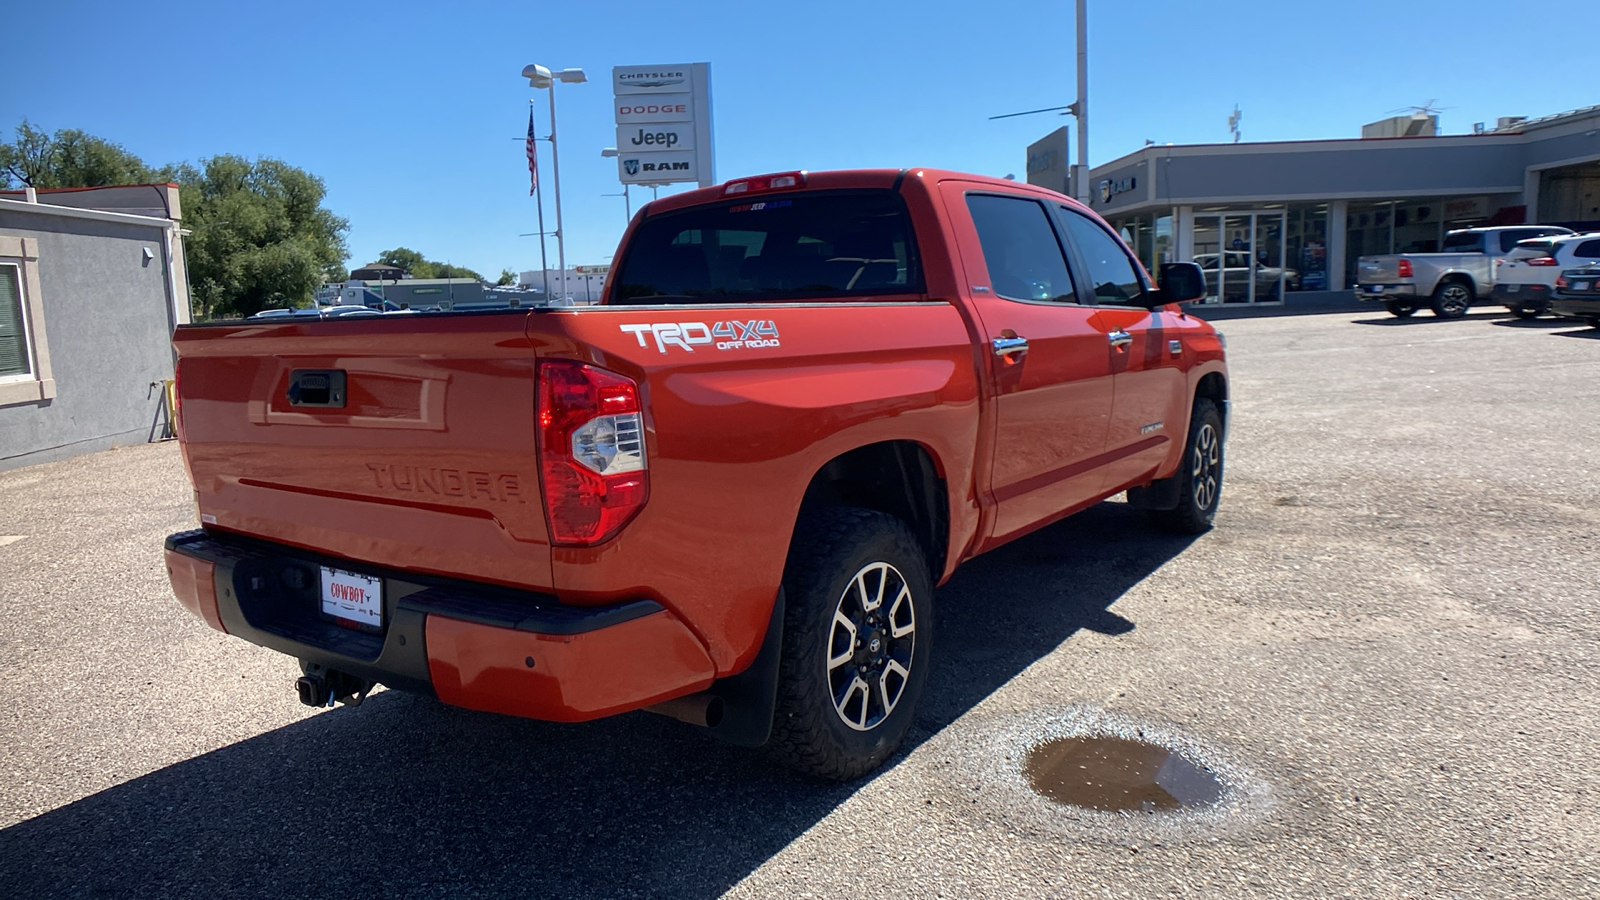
574,285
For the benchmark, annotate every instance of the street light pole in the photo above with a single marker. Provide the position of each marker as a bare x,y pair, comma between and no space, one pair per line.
555,168
627,200
1081,183
542,78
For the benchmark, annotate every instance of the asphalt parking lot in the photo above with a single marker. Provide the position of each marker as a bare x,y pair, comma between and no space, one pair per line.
1388,650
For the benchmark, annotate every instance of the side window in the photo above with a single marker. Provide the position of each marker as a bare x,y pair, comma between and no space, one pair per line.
1020,249
1587,250
1115,278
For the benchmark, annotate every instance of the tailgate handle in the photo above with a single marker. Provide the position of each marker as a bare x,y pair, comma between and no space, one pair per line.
317,387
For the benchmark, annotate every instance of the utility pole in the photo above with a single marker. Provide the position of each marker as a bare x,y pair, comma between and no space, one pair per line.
1080,181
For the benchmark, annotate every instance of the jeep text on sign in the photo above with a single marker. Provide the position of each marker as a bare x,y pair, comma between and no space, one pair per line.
647,138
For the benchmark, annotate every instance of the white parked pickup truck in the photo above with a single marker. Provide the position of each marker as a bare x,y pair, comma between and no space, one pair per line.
1449,282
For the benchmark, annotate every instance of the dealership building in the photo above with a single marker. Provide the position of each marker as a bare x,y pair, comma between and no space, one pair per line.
1268,218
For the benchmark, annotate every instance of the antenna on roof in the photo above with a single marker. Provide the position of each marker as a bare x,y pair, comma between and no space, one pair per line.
1233,122
1422,112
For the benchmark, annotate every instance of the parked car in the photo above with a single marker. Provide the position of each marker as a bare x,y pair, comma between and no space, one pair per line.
727,493
1449,281
1270,281
1526,276
1577,294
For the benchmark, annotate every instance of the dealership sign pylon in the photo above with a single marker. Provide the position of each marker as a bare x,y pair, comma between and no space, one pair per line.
663,124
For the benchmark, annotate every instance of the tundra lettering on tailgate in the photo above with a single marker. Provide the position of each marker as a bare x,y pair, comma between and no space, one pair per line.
504,486
754,334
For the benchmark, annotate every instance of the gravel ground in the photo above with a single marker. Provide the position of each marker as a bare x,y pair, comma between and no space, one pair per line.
1386,651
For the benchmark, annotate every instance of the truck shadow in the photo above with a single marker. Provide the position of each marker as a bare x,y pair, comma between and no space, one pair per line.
1424,317
404,796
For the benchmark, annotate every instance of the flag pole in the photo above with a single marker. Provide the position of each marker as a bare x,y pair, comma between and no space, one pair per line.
538,199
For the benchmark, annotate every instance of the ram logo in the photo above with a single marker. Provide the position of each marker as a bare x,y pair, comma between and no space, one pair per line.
631,165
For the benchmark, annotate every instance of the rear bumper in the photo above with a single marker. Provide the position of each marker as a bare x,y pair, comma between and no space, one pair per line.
1568,305
1386,291
1521,294
473,645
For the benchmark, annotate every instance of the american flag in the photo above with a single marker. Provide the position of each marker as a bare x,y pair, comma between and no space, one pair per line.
533,158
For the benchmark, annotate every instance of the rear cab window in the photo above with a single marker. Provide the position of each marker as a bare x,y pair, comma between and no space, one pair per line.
773,248
1529,249
1463,242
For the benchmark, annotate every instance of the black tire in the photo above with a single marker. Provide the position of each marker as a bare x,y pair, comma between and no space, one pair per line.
1400,309
1526,312
838,557
1200,490
1452,298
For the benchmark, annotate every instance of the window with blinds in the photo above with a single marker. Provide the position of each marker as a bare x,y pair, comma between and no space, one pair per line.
13,327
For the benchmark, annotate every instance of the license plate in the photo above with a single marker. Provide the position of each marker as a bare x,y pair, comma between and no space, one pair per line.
1375,289
1580,285
352,597
1513,288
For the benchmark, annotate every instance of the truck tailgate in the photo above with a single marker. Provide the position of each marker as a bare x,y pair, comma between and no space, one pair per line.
1377,270
426,462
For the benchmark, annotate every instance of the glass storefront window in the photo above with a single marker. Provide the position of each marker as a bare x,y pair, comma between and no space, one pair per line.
1307,247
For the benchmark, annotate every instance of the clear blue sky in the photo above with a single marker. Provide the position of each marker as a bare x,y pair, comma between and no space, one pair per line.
411,112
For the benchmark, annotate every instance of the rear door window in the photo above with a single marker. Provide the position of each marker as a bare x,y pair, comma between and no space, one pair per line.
1587,250
773,248
1020,249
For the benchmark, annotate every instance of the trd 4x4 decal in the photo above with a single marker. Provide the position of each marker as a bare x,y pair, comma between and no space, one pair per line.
733,335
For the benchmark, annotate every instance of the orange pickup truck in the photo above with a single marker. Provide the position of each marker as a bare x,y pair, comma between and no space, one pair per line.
727,492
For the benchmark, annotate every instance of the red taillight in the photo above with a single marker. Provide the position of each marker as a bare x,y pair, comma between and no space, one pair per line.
783,181
591,451
174,400
1542,261
1561,281
1403,268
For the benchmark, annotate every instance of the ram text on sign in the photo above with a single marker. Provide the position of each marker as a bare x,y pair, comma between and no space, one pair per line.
644,168
632,108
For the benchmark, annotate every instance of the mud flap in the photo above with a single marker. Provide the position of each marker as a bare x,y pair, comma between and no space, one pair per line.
1163,493
750,697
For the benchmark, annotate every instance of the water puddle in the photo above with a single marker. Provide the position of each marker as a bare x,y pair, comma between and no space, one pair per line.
1117,774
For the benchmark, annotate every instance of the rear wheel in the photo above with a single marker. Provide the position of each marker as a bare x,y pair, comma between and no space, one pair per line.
857,632
1201,487
1451,299
1400,309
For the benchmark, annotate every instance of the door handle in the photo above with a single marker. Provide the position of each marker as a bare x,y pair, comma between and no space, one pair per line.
1120,339
1005,346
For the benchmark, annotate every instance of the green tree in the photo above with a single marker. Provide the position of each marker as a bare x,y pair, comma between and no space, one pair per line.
69,158
506,277
414,264
260,237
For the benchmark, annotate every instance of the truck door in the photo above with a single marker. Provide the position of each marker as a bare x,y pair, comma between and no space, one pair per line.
1047,363
1149,408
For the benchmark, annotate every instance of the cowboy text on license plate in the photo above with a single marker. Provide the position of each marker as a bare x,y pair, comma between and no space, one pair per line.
352,597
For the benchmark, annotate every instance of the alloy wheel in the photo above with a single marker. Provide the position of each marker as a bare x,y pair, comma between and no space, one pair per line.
1206,466
870,645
